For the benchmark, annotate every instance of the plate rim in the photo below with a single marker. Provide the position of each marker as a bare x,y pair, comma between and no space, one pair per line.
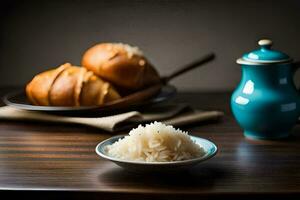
6,100
181,162
30,107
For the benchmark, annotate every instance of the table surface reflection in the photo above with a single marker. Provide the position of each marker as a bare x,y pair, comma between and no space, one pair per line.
51,160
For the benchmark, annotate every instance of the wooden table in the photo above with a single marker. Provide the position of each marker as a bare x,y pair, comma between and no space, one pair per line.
46,160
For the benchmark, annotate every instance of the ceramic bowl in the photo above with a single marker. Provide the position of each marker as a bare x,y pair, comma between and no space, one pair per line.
138,166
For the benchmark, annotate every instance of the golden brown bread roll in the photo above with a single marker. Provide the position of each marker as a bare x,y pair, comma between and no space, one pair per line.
69,85
121,64
38,89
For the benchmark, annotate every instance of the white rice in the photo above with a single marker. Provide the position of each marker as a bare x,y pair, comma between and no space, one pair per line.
156,142
131,50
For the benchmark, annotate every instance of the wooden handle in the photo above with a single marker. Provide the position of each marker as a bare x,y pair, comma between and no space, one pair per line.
207,58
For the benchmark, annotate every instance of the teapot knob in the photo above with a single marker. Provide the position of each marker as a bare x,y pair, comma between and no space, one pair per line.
265,43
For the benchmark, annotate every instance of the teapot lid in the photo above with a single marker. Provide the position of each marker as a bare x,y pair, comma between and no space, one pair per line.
264,55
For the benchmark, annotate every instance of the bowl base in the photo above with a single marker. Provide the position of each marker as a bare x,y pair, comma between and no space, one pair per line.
265,136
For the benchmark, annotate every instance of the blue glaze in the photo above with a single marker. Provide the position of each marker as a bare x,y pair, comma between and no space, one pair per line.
265,54
266,101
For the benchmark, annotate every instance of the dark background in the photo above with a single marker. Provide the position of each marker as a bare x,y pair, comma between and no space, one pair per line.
37,35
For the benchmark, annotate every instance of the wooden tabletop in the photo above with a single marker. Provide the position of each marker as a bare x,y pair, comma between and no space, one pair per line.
50,160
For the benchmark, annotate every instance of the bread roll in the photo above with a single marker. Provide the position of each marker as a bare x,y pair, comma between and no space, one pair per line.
69,85
121,64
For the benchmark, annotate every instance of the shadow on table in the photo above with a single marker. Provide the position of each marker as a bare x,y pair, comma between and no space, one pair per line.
203,176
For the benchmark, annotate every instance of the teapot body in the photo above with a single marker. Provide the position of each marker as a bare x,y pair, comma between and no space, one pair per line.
266,102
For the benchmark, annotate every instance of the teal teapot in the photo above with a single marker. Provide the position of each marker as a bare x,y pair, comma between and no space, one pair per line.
266,103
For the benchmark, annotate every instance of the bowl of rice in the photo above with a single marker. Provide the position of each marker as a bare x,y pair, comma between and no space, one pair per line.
156,147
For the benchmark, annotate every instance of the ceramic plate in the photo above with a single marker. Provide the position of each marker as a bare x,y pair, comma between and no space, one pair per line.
18,100
209,147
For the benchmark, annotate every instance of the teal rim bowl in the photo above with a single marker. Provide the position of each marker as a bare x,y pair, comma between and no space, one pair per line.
209,147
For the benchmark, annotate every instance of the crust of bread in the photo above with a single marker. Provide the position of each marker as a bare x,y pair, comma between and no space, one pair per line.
127,69
38,89
70,85
62,92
